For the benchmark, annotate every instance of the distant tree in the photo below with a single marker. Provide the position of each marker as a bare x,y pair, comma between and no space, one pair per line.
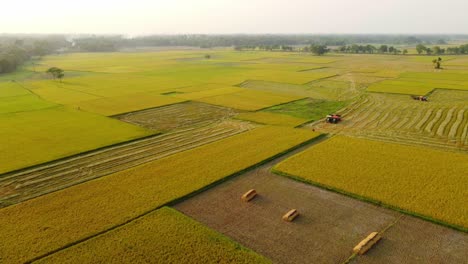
370,49
56,73
437,50
405,51
318,49
207,56
437,63
391,49
383,49
420,48
428,51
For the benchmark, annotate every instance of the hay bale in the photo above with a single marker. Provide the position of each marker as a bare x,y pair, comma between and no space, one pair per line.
289,216
367,243
249,195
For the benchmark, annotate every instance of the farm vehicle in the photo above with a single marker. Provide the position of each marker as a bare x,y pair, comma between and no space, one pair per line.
333,118
419,98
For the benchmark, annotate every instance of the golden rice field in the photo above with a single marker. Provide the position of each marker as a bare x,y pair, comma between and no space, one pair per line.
50,222
108,204
249,99
271,119
421,181
110,106
418,83
163,236
32,137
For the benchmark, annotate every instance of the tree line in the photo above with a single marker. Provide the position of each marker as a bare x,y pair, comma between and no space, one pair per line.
14,51
462,49
370,49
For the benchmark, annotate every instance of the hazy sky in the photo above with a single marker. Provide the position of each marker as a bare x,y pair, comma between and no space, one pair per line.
136,17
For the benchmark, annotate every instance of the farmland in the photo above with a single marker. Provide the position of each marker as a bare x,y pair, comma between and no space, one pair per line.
410,178
95,166
164,236
442,123
67,131
122,196
329,222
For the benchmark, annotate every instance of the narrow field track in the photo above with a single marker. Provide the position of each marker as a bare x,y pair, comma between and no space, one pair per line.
22,185
396,118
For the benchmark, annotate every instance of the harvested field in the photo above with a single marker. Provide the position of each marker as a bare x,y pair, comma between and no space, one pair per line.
51,222
440,123
178,116
164,236
413,240
327,229
23,185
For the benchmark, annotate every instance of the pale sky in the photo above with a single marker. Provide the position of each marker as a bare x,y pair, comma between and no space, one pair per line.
138,17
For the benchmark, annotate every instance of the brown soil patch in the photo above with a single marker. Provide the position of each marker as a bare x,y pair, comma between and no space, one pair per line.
413,240
328,227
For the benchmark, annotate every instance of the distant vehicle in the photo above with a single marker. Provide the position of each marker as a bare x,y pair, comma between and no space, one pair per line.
333,118
419,98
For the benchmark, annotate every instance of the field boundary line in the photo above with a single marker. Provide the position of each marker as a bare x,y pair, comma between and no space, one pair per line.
371,200
318,139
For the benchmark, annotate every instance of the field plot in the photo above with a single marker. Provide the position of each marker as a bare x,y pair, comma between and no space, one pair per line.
27,184
414,240
440,123
421,83
128,103
207,93
309,109
164,236
271,119
9,89
422,181
328,227
33,137
249,100
50,222
329,223
177,116
14,98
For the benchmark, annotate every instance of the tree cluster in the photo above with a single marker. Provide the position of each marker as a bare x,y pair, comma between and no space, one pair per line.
462,49
56,73
15,50
370,49
258,40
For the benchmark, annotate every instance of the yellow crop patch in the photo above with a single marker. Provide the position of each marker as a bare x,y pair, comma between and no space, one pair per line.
52,221
164,236
29,138
208,93
123,104
419,180
251,100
